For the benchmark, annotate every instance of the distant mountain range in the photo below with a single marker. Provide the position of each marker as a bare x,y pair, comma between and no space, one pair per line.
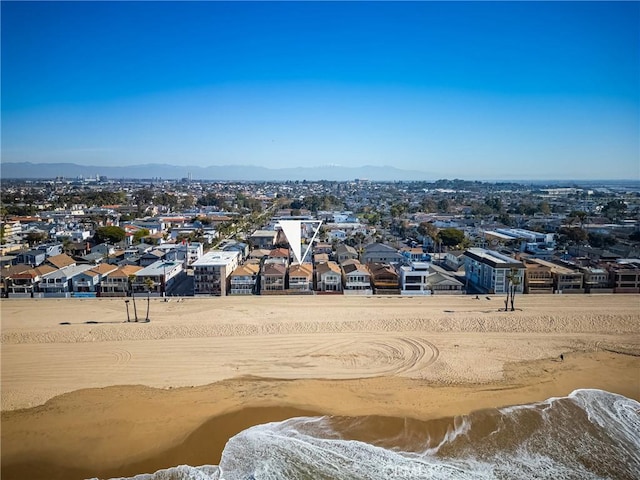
222,172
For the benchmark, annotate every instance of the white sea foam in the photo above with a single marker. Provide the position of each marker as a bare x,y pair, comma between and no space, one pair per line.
591,434
182,472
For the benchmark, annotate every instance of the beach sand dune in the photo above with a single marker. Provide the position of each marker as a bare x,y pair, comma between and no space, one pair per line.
84,393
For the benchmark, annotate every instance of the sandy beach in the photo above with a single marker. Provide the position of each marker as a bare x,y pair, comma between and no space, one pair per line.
86,394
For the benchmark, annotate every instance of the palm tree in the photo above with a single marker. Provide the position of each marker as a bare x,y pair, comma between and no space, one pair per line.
149,284
514,281
506,300
126,302
133,296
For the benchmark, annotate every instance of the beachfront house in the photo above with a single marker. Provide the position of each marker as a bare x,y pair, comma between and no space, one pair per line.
244,279
356,278
625,276
442,284
596,280
537,278
116,283
413,278
384,279
488,271
212,272
88,282
328,277
565,278
301,277
272,278
159,278
23,281
59,283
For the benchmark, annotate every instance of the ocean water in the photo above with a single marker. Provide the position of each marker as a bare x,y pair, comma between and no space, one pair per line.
590,434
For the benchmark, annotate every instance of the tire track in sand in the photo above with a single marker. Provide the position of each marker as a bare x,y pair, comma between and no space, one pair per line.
373,356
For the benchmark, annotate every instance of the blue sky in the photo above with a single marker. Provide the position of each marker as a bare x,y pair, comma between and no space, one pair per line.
455,89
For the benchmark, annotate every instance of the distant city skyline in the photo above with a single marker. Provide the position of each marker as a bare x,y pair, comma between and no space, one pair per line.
487,90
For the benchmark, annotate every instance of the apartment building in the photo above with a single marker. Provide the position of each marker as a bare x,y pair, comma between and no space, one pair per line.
212,272
489,271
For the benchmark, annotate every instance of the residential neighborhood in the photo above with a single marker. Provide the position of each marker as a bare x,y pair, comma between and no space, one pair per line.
162,238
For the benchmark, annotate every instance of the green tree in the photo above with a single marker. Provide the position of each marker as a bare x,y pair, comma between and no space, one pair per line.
494,203
544,208
599,240
66,244
397,210
111,234
187,201
167,199
211,200
443,205
450,237
140,234
428,229
428,205
505,219
573,234
577,216
35,237
615,209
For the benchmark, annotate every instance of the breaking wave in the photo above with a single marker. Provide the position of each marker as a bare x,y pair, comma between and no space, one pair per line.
590,434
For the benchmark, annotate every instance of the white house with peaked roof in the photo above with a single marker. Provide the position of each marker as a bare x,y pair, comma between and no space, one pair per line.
59,282
328,277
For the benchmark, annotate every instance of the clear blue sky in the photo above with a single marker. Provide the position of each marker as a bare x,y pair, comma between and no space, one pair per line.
467,90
